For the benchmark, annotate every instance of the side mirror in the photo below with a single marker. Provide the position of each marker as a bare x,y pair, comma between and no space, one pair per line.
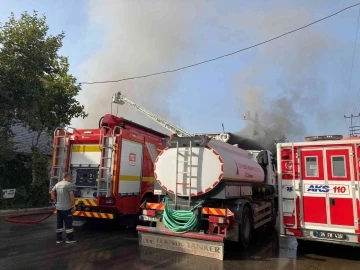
262,158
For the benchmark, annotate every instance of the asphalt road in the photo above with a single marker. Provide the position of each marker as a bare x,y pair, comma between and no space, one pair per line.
106,246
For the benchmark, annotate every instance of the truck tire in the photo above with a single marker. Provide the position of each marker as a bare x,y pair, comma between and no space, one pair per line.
246,228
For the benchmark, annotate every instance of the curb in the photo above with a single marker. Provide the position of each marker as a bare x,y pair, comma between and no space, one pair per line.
26,210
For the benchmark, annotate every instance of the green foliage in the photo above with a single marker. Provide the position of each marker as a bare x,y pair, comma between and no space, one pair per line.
281,138
18,174
39,166
36,87
37,90
6,146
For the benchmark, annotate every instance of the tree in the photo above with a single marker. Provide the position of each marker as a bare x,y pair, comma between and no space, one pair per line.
271,137
281,138
35,85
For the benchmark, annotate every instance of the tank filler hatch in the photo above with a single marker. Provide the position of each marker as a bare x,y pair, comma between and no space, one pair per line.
196,141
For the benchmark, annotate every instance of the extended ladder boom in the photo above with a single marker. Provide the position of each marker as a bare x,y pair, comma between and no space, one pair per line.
118,98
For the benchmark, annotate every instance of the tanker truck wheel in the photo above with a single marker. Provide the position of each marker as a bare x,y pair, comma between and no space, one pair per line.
246,228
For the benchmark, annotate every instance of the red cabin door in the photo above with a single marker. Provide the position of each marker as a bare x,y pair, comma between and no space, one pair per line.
313,182
327,180
341,201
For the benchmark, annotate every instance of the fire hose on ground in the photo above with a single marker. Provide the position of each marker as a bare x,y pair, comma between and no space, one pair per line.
180,221
13,219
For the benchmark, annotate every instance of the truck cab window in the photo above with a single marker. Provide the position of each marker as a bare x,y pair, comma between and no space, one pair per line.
338,166
311,166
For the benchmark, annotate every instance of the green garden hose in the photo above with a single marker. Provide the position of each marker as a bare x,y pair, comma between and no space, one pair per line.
180,221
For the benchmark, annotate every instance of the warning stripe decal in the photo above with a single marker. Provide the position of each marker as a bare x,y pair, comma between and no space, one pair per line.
213,211
86,202
137,178
85,148
155,206
93,215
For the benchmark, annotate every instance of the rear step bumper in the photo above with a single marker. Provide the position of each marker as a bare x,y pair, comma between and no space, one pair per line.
92,214
200,244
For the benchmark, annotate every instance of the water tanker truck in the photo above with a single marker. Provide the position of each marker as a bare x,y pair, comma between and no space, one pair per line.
214,192
211,192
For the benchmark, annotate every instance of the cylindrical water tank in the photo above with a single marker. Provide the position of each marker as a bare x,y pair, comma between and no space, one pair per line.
206,167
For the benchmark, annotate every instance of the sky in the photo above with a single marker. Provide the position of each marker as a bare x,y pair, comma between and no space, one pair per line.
299,84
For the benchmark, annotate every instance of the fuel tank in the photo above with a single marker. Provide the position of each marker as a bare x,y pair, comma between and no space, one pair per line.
198,169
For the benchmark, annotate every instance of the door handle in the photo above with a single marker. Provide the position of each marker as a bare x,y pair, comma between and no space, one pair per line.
332,201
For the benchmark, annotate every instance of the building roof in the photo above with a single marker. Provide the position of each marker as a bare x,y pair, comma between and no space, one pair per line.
25,139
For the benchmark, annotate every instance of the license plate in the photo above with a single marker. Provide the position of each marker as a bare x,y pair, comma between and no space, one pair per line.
146,218
330,235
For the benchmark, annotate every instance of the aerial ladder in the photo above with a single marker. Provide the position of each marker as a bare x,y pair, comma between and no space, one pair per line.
120,99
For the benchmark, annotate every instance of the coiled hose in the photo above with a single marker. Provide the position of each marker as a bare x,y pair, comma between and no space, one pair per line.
180,221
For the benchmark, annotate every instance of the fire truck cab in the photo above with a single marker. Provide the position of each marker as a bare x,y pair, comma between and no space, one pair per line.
319,189
112,166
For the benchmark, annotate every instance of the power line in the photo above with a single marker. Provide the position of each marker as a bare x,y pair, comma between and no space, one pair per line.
353,129
352,63
222,56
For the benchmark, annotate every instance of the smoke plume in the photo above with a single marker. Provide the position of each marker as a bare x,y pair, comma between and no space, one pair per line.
284,80
297,85
139,37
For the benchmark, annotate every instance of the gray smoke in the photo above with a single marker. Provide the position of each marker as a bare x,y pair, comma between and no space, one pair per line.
142,37
244,142
139,37
294,61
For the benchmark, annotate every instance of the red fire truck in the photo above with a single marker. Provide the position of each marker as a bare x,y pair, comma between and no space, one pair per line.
112,166
319,189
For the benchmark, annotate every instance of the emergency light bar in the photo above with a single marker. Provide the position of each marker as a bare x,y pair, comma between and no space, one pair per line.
323,138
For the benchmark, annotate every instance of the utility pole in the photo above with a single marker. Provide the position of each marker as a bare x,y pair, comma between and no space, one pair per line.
255,121
353,129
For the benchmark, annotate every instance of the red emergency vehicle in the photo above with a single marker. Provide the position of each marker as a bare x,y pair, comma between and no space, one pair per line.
112,166
319,189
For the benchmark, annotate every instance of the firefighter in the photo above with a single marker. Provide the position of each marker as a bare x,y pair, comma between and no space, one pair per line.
63,197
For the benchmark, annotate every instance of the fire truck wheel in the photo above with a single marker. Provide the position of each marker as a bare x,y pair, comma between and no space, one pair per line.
246,228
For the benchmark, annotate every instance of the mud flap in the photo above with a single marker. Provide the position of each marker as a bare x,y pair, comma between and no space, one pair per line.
211,249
